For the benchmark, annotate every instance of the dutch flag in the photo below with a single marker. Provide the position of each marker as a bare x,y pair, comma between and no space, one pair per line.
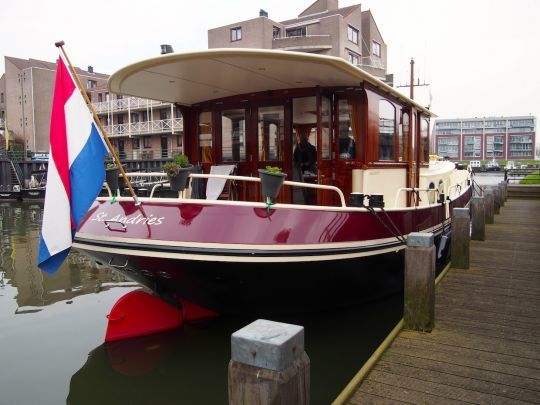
75,172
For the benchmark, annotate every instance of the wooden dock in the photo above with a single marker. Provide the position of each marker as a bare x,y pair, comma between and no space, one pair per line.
485,348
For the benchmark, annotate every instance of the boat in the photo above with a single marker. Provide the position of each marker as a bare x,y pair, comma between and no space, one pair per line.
335,233
10,193
36,187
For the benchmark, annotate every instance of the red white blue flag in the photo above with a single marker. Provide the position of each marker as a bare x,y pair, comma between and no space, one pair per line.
75,172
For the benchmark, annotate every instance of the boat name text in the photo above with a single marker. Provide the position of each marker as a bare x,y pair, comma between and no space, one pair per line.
139,219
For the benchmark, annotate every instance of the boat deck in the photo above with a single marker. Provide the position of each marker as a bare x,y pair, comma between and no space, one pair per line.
485,347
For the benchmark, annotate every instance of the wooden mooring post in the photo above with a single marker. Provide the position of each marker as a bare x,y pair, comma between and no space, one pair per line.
419,288
478,215
489,206
500,186
496,200
461,225
269,365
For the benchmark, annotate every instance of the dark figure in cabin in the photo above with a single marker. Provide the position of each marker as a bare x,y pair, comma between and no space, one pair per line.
305,155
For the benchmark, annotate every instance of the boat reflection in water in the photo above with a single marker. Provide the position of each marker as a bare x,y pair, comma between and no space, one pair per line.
19,240
167,368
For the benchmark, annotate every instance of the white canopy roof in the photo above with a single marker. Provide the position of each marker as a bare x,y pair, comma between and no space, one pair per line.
194,77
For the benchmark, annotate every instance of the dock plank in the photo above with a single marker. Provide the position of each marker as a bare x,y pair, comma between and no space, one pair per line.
485,348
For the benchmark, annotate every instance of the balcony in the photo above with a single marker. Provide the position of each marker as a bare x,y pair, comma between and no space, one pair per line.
125,104
166,126
307,43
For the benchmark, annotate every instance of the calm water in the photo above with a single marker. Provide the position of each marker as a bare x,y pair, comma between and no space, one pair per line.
52,330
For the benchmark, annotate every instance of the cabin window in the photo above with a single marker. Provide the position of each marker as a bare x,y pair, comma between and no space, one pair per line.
326,123
205,137
348,128
233,135
424,140
386,130
271,124
352,34
236,34
404,137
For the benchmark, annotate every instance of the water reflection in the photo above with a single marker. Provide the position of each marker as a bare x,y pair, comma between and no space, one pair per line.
20,225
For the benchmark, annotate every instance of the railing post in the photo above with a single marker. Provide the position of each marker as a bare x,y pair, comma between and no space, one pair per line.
489,206
478,216
269,365
461,225
419,287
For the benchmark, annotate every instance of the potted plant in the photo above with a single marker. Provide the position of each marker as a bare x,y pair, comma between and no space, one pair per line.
111,176
271,180
178,172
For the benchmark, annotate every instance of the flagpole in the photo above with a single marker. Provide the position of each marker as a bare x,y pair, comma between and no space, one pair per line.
60,44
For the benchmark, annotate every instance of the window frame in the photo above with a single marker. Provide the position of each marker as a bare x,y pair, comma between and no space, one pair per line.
376,48
352,32
234,34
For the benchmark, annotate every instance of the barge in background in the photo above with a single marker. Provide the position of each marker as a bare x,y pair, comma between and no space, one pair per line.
336,232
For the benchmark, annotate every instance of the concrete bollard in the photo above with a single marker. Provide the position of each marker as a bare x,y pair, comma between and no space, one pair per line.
496,200
478,217
269,365
419,288
489,206
461,225
501,190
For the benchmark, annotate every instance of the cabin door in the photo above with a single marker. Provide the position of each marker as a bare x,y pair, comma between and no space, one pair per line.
348,138
272,135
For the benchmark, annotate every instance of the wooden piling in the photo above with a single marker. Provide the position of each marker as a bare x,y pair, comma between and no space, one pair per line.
501,191
496,200
269,365
419,288
461,225
478,218
489,206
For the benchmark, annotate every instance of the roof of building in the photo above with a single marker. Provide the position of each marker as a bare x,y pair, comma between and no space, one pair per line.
345,12
36,63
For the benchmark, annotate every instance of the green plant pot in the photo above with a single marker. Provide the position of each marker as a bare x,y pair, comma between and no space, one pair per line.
180,181
111,176
270,183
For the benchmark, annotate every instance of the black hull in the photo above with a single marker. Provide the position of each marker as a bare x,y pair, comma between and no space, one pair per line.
10,196
268,287
30,194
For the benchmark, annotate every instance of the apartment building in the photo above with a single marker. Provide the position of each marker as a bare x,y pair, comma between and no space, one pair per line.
139,128
322,28
499,138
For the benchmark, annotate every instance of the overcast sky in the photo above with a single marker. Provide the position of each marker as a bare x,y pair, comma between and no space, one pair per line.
481,57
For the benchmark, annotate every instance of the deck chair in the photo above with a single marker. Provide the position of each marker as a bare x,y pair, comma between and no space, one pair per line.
221,188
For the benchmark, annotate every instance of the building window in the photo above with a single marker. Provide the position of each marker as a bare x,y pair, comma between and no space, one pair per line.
120,119
100,97
354,59
276,32
135,143
472,146
179,139
296,32
163,114
352,34
1,97
236,34
90,84
376,49
146,142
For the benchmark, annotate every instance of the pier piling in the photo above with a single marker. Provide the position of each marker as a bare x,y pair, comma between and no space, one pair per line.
501,191
419,288
488,206
269,365
496,200
478,215
461,225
